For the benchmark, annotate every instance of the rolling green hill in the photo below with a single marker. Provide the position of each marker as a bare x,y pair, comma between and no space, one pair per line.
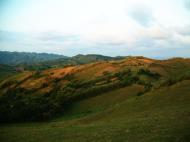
132,99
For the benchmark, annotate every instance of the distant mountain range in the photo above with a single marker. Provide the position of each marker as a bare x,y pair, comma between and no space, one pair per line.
24,57
45,60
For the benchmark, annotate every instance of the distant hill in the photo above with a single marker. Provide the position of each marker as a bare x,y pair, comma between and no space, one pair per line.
42,61
25,57
75,60
33,61
83,59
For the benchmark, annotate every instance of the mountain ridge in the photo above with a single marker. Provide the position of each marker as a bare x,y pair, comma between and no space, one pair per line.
13,58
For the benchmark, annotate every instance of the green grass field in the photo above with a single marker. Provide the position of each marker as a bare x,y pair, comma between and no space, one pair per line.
161,115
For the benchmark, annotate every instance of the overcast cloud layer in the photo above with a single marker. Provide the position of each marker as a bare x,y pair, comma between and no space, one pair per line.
156,28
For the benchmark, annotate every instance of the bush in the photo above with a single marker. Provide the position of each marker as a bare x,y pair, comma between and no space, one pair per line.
140,93
130,80
7,84
148,87
148,73
37,74
120,75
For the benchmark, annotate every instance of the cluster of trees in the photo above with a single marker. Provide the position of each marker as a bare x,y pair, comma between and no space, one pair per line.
127,78
7,84
148,73
23,107
172,81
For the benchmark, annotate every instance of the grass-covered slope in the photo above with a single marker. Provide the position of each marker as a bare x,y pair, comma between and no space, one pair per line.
161,115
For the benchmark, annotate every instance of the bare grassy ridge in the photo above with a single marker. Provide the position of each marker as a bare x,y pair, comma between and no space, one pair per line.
136,99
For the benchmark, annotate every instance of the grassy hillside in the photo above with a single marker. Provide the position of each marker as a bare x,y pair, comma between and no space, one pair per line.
160,115
133,99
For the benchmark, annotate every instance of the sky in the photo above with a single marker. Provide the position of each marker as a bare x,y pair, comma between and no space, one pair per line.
156,28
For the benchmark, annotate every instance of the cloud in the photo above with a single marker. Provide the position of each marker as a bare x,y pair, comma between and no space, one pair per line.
38,37
51,42
153,41
142,16
55,37
187,4
185,31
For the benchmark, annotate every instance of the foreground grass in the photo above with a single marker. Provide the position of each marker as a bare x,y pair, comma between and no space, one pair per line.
161,116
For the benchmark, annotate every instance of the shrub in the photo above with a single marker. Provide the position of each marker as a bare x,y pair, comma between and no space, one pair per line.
148,73
130,80
140,93
37,74
120,75
7,84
